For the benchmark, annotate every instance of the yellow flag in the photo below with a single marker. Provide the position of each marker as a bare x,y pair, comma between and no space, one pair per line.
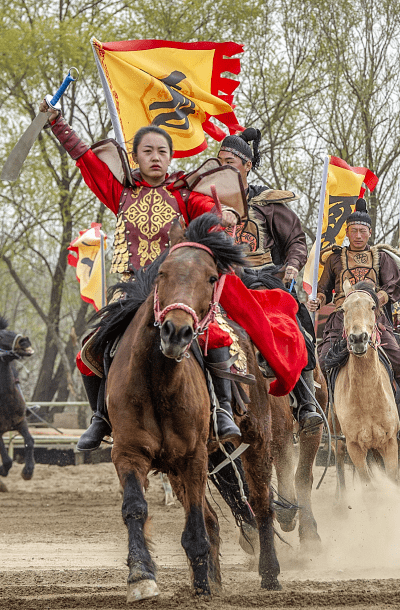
174,85
87,258
343,188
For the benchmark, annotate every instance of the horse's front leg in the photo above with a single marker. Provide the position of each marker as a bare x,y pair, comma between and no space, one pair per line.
27,472
358,456
142,570
390,457
212,527
5,458
195,539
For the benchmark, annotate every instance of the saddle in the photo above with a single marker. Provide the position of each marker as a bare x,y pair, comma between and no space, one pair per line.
233,369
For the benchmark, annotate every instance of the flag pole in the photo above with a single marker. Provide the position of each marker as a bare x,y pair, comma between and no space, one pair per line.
319,227
103,270
398,201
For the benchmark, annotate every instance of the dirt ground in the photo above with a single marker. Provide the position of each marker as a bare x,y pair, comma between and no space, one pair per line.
63,546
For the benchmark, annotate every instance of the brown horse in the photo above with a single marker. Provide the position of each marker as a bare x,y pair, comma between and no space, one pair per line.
12,404
159,408
295,472
364,403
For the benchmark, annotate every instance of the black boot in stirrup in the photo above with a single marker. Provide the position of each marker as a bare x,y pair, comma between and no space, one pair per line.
99,426
306,412
227,429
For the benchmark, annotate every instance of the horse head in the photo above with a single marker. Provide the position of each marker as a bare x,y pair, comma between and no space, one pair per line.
12,342
360,308
187,283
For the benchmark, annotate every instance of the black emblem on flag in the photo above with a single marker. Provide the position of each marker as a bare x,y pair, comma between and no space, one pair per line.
179,107
339,210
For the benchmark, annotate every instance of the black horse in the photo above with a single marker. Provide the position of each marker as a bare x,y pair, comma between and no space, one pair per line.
13,346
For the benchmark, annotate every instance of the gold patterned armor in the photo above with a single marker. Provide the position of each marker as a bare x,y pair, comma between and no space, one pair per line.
144,219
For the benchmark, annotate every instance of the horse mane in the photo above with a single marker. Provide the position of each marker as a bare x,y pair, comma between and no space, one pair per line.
370,288
263,278
113,319
3,323
204,230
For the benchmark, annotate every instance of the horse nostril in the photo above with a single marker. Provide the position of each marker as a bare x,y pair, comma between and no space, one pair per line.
185,335
167,330
361,338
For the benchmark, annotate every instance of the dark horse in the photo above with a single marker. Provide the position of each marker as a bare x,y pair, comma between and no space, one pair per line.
13,346
159,408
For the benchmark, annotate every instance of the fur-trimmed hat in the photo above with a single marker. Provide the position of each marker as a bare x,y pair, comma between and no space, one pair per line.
360,215
239,145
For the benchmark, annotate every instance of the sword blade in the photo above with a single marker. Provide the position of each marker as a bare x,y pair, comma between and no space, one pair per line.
16,159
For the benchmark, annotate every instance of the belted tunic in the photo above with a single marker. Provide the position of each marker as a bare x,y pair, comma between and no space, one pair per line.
370,264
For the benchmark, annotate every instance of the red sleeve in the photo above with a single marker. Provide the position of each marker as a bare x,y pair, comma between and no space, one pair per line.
100,180
199,204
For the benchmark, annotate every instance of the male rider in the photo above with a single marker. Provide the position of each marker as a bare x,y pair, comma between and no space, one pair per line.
273,235
358,262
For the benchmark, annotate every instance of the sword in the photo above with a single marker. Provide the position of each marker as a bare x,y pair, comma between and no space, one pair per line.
16,159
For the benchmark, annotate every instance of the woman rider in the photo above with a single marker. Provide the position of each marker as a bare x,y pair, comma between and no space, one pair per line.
145,202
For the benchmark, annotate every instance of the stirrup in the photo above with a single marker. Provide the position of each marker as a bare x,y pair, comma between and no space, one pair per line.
232,429
310,423
92,438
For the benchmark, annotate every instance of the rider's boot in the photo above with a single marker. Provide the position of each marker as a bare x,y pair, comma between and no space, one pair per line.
227,429
99,426
306,412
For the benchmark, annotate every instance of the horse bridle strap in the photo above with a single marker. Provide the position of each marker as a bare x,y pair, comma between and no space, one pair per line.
201,326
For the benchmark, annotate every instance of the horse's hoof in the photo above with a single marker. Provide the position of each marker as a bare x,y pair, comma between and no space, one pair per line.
287,526
249,539
4,471
271,584
3,487
27,475
142,589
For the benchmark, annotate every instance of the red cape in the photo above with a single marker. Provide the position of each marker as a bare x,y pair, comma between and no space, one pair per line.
269,317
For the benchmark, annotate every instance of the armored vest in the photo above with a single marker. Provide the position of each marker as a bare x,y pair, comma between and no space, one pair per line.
255,233
250,234
144,218
358,267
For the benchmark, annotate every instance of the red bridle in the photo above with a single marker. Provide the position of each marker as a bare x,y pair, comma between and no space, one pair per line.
201,326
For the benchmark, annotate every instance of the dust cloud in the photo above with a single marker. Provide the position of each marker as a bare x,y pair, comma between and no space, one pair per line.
360,538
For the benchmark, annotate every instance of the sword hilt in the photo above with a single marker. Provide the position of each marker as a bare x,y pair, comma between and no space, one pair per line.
64,85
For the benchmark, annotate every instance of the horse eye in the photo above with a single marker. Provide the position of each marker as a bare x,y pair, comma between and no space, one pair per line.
213,279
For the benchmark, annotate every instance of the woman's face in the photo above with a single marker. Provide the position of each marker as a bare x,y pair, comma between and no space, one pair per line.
153,156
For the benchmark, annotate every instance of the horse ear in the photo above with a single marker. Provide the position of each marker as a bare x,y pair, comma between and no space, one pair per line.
346,287
176,232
